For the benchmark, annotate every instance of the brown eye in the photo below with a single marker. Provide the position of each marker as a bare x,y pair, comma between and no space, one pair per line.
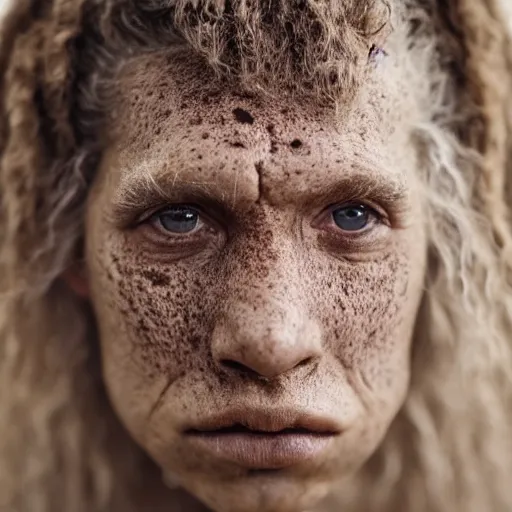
178,219
352,217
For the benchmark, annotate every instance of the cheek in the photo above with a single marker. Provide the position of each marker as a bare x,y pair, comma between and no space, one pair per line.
153,320
368,312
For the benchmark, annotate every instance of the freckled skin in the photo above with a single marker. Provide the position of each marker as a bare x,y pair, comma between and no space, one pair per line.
326,319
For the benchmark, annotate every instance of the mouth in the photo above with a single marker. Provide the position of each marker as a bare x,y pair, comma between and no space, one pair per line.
264,440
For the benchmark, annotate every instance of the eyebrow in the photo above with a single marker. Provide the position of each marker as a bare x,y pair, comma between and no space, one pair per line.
148,186
365,182
151,185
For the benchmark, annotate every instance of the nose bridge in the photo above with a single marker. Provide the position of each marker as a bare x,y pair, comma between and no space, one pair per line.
267,284
266,318
266,303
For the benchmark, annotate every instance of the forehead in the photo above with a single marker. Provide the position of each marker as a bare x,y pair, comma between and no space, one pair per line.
175,121
162,89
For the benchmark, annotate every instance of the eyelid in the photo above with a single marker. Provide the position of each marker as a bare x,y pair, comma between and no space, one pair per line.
167,208
184,206
370,205
370,241
130,214
389,200
151,212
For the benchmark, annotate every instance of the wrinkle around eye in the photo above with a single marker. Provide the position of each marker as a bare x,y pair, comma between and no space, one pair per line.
368,244
158,245
155,243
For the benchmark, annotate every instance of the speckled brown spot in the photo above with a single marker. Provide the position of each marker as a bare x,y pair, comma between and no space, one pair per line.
267,303
242,116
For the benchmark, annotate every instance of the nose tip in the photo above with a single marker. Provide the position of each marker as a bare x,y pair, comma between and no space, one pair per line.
267,352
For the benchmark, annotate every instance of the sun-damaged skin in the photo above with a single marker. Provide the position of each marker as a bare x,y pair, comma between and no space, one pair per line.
267,304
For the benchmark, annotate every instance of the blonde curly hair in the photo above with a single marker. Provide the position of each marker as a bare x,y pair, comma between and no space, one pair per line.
61,446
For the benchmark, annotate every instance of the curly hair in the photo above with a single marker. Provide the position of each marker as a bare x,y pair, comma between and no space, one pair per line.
61,446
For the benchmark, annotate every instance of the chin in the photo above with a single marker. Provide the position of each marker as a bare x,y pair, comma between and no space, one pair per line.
259,491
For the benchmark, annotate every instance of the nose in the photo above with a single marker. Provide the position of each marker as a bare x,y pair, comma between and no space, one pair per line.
266,340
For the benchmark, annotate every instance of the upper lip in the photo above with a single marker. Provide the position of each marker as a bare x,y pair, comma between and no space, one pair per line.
267,421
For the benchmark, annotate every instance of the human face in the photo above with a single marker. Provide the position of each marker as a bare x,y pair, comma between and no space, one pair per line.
255,267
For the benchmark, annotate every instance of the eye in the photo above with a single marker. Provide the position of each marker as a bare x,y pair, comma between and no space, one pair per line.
352,217
178,219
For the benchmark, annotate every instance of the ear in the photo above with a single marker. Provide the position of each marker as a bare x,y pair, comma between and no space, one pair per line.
76,278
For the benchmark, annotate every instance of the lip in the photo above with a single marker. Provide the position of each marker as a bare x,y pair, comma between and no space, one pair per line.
264,439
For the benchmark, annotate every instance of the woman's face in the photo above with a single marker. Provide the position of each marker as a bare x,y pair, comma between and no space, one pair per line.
255,268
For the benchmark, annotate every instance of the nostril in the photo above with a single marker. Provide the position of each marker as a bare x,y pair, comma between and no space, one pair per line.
305,362
238,367
233,365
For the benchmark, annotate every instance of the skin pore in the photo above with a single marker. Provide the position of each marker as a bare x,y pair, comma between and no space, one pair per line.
266,304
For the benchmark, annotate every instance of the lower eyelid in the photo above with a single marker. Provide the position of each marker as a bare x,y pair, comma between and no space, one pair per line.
344,244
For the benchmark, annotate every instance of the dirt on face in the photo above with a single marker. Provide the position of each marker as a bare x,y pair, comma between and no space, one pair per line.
267,299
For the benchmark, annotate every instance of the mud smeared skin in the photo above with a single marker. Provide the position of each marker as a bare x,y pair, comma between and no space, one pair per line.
322,318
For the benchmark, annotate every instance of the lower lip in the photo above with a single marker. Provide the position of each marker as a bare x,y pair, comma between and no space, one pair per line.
262,450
